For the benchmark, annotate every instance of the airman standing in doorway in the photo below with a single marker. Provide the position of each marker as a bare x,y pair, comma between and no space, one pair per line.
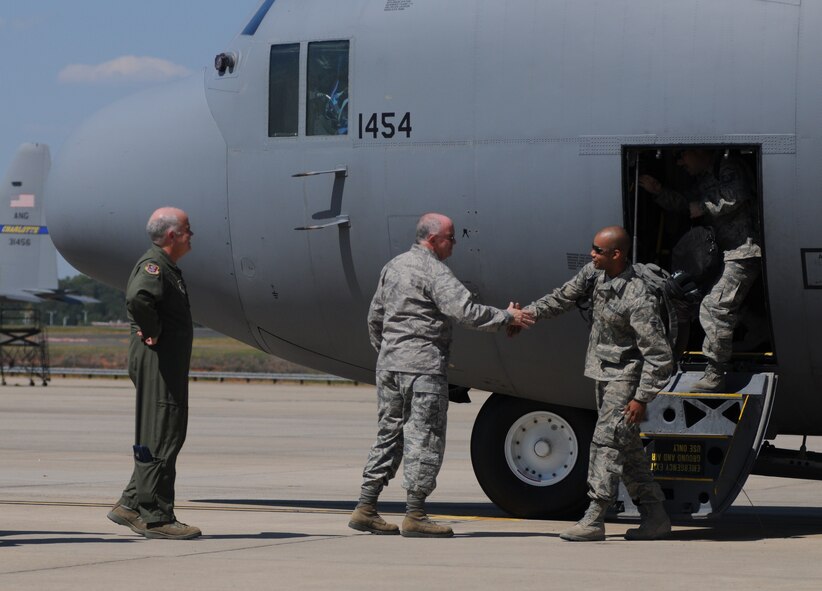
724,198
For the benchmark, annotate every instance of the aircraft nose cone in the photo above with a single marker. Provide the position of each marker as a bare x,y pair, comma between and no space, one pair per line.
157,148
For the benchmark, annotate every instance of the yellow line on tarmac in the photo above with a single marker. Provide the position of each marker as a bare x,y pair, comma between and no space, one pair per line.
473,517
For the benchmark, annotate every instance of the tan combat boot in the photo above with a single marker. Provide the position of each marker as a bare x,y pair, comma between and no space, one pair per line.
713,380
172,531
591,528
417,525
655,523
122,515
366,518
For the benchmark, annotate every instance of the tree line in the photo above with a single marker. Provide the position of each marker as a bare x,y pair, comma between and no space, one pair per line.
111,306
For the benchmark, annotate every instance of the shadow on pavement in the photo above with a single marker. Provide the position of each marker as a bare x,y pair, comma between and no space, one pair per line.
74,538
755,523
64,537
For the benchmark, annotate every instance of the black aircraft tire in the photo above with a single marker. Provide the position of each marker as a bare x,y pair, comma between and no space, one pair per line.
567,497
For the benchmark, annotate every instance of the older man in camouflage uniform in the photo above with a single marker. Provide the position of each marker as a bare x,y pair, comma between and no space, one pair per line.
409,324
630,359
724,198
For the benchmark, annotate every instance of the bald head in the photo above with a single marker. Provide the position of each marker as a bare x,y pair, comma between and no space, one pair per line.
169,228
436,232
615,237
161,221
610,250
430,223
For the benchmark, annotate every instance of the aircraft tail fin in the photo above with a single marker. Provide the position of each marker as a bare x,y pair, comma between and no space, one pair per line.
28,258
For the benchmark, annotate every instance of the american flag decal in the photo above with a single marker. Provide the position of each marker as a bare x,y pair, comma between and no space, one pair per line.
24,200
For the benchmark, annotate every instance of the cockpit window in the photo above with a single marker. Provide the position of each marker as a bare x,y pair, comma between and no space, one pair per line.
258,17
283,90
327,88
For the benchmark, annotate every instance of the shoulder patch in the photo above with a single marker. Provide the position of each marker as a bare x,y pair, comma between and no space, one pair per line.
152,269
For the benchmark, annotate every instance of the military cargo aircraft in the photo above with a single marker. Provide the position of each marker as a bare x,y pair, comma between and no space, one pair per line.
325,128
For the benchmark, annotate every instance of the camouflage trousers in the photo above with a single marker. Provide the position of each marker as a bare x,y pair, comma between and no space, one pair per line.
719,311
413,413
616,449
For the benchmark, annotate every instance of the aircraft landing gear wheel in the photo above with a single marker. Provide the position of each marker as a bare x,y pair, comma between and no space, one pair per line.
531,458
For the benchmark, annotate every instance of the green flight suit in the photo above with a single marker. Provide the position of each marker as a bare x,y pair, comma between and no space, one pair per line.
157,303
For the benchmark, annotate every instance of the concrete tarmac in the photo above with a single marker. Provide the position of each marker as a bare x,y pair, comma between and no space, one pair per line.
270,474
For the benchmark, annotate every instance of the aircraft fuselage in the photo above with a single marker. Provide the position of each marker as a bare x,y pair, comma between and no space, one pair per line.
510,117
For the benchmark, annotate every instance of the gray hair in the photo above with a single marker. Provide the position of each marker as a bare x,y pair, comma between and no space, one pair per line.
158,226
428,224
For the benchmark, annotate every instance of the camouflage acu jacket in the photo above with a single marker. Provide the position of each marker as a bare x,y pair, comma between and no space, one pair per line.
726,198
409,321
627,341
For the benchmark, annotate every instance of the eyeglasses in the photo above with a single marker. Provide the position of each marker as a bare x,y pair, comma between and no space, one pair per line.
600,250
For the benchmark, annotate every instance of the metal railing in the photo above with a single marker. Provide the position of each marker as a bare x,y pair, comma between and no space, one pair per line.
219,376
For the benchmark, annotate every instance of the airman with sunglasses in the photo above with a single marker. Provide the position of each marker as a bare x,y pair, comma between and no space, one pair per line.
630,359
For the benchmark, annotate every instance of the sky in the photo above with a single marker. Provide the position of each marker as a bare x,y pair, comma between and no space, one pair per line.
64,60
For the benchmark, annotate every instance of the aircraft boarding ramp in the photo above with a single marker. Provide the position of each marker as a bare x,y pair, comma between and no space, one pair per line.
703,445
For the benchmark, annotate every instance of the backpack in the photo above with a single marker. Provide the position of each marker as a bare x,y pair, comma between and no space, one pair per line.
678,297
697,254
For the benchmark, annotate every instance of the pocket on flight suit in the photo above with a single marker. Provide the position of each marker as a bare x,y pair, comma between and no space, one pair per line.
148,475
148,472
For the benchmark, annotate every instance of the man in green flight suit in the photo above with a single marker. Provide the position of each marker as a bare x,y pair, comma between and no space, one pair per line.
159,355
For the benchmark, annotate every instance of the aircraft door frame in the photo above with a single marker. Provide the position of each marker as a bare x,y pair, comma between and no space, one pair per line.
659,230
